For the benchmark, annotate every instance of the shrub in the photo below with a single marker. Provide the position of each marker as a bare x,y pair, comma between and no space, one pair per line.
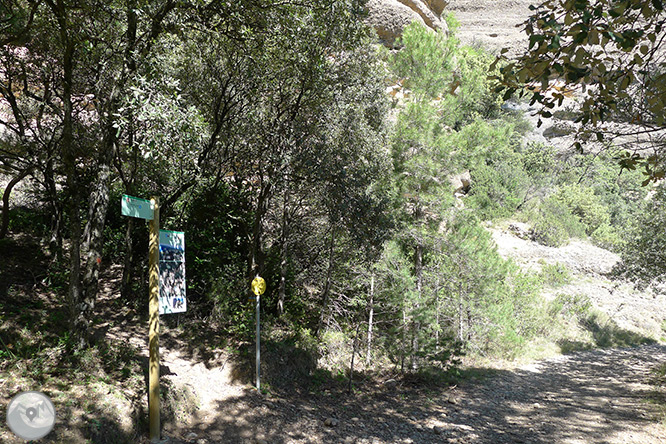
576,306
488,151
540,163
608,237
553,223
644,254
434,66
583,203
426,60
518,316
555,275
474,95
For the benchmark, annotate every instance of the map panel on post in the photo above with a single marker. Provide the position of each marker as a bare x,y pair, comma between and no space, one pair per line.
172,272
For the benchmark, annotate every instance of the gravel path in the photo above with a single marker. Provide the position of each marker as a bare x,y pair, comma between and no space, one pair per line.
597,396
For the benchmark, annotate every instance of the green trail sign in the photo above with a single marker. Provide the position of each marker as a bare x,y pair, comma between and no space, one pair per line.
136,207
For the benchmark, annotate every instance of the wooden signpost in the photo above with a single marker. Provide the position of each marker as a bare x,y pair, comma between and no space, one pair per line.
150,210
154,325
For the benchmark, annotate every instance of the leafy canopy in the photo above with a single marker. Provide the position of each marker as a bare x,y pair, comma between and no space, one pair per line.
611,52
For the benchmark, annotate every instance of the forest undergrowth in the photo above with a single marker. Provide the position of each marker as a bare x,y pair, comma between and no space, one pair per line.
365,184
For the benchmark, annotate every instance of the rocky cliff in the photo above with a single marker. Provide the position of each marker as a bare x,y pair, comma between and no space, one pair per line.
389,17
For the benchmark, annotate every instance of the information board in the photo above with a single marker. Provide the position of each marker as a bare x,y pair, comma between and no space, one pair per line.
172,272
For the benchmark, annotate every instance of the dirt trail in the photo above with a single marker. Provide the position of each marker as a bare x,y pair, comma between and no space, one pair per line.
600,396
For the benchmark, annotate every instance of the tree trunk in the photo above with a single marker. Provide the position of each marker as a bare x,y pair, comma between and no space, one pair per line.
55,241
416,327
126,283
5,201
323,316
371,312
469,323
128,270
353,356
460,314
255,262
79,311
283,252
93,236
436,323
403,347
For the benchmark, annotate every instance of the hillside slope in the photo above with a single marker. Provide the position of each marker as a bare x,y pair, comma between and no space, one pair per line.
492,24
589,268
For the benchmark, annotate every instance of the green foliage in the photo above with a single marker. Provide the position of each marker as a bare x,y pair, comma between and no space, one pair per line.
540,162
620,192
603,201
553,224
496,308
517,316
426,60
456,77
555,275
498,189
168,131
601,331
471,95
584,204
442,280
608,237
420,163
28,220
645,251
560,35
590,210
227,300
488,151
216,252
576,306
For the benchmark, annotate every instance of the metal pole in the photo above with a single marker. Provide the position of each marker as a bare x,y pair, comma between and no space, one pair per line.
154,325
258,369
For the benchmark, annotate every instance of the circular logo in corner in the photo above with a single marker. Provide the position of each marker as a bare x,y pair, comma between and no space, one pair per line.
30,415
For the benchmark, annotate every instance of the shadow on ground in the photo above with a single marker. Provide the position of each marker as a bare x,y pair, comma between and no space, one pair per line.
605,333
588,397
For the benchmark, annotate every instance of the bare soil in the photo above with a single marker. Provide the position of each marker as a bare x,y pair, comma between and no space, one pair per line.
601,396
492,24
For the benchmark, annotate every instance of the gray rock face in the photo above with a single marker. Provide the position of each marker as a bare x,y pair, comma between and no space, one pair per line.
389,17
437,6
427,15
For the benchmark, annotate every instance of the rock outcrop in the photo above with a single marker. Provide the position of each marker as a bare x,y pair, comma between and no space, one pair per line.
389,17
461,183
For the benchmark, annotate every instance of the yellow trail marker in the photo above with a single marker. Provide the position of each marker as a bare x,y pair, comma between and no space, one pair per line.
258,287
